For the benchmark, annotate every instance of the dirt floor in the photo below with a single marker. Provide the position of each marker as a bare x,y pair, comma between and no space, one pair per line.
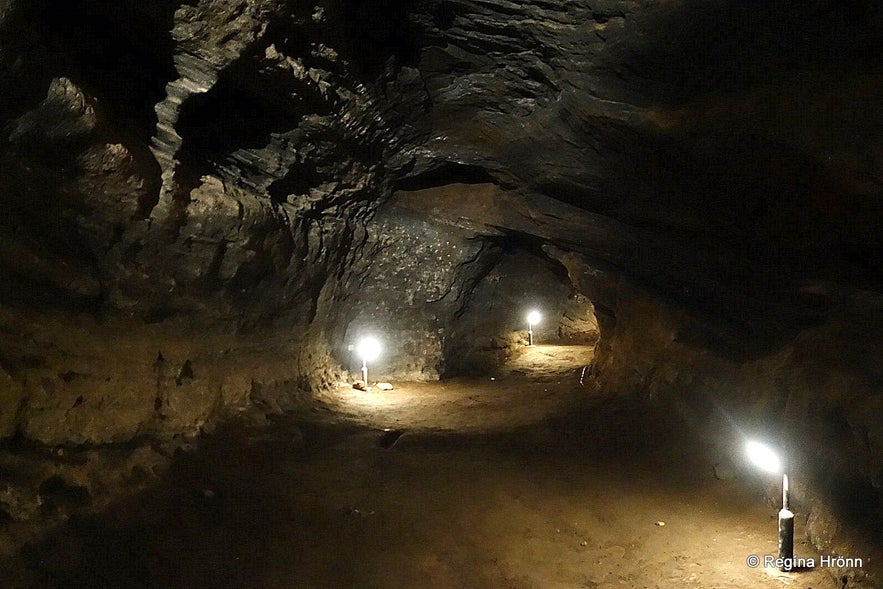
521,480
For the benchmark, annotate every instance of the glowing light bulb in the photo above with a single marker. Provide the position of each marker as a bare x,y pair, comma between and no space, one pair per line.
369,349
532,318
763,457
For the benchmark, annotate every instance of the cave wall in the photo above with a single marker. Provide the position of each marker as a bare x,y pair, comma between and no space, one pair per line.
405,292
184,188
817,396
796,364
211,183
217,163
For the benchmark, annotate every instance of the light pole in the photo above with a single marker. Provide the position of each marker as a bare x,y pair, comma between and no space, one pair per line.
368,350
532,318
767,460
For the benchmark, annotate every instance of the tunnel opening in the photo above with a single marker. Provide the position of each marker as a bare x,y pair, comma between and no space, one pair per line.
490,327
465,314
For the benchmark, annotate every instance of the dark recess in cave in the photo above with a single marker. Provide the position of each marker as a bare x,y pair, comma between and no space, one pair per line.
243,109
373,35
446,173
111,49
298,180
722,48
56,493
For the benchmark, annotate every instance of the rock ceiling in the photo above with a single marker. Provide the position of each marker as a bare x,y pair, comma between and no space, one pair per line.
209,145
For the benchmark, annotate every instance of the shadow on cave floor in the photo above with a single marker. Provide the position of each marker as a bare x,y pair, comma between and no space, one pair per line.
591,491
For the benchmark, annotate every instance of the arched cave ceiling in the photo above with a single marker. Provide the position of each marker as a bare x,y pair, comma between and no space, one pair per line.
687,142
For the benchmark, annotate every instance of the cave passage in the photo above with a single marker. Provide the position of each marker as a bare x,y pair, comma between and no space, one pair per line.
523,479
206,205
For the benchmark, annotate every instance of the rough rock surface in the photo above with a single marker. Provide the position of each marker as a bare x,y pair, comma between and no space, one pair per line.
198,210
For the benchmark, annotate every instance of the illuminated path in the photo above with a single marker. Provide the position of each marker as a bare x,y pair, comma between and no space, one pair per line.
502,402
514,483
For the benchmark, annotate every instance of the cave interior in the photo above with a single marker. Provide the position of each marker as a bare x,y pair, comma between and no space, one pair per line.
208,204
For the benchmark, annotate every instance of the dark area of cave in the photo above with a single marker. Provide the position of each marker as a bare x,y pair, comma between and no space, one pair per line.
209,206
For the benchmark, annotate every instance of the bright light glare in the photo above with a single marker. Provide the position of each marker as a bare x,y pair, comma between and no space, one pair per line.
763,457
533,317
368,349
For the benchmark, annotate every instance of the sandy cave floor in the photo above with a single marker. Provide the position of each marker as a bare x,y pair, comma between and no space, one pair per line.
528,480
